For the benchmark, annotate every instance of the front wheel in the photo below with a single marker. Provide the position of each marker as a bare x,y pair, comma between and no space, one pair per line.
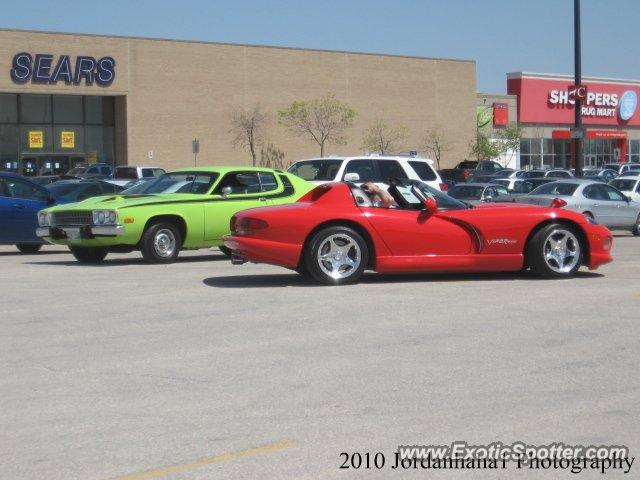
555,251
336,256
161,243
89,254
28,247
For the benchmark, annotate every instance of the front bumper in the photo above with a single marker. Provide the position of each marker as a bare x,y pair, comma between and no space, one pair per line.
85,232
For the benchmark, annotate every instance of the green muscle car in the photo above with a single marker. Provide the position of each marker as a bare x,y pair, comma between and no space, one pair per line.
186,209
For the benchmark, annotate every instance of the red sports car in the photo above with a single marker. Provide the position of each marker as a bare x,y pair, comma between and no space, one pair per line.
335,232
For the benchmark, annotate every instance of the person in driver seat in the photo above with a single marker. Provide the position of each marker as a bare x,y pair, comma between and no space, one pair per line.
378,196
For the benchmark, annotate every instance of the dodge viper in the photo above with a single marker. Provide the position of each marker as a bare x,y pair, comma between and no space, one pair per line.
334,232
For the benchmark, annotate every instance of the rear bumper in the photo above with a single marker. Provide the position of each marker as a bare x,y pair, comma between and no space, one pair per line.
85,232
600,241
263,251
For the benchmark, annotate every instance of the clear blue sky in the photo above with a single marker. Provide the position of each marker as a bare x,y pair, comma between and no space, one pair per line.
501,35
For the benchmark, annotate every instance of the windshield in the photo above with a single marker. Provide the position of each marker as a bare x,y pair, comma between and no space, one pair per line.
130,173
623,184
177,182
320,170
62,189
406,198
556,188
76,171
465,191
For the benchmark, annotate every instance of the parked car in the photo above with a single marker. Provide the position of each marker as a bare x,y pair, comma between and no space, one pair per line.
475,193
464,170
185,209
47,179
559,173
135,186
125,174
93,170
598,201
20,201
600,174
482,177
629,185
334,233
373,168
69,191
520,187
623,168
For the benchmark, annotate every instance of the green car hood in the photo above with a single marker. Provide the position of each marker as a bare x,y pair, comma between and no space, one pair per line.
111,202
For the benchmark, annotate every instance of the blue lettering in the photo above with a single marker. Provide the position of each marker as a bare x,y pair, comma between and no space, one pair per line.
41,68
106,71
85,67
62,71
22,69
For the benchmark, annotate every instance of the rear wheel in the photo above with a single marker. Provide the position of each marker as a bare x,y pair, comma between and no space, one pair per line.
555,251
336,256
636,228
89,254
161,243
28,247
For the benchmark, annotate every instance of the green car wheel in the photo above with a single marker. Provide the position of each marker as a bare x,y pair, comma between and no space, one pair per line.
161,243
89,254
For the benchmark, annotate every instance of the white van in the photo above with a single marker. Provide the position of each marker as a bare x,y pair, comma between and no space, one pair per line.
367,168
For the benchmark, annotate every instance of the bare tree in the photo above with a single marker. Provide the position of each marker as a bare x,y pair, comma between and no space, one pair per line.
383,138
248,128
435,143
272,157
324,120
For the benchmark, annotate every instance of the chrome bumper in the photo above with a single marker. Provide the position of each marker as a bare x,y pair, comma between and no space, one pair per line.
85,231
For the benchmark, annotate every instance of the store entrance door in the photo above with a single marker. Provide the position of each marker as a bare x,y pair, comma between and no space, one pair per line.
35,165
590,161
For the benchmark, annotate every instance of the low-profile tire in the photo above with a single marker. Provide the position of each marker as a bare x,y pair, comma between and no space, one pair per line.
336,255
89,254
225,250
555,251
161,243
636,228
28,247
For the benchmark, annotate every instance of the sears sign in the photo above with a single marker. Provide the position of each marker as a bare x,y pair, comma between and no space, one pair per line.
41,68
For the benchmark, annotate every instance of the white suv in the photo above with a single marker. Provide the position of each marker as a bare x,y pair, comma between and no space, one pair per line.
367,168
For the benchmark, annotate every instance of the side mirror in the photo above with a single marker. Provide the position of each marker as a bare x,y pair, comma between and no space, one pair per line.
629,199
430,205
227,191
351,177
488,198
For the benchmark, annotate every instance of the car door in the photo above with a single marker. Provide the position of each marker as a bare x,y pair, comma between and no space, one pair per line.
622,213
5,211
596,203
26,200
246,192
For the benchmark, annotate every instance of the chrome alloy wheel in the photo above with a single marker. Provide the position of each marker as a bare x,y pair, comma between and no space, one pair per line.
164,243
561,250
339,256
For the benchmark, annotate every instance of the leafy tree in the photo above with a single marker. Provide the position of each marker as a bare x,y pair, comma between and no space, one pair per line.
324,120
383,138
487,146
248,129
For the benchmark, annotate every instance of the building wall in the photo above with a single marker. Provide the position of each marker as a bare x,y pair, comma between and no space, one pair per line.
172,92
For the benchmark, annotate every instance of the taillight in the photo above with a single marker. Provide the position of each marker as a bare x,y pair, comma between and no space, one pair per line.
444,187
558,203
606,243
248,226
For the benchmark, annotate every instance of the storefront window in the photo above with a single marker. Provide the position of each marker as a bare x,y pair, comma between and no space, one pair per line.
67,109
99,143
35,108
8,108
68,138
634,151
36,138
99,110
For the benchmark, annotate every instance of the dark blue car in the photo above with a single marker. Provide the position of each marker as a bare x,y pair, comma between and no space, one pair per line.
21,200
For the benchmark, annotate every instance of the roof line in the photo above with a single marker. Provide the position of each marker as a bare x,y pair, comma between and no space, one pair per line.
204,42
552,76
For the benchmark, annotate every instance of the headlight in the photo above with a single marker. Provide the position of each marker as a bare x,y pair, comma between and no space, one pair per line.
44,219
105,217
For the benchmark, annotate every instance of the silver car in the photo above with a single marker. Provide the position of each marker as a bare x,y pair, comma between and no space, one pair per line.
598,201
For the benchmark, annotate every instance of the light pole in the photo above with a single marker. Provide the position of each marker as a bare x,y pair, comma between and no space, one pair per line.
578,142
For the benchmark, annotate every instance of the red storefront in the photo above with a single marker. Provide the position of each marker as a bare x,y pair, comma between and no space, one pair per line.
545,106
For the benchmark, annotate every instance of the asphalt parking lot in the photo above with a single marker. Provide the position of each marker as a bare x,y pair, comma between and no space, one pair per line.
204,370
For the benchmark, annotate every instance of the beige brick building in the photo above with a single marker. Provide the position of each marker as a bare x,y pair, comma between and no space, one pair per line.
142,101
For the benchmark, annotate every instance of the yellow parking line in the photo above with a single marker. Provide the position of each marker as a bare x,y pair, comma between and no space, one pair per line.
203,462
